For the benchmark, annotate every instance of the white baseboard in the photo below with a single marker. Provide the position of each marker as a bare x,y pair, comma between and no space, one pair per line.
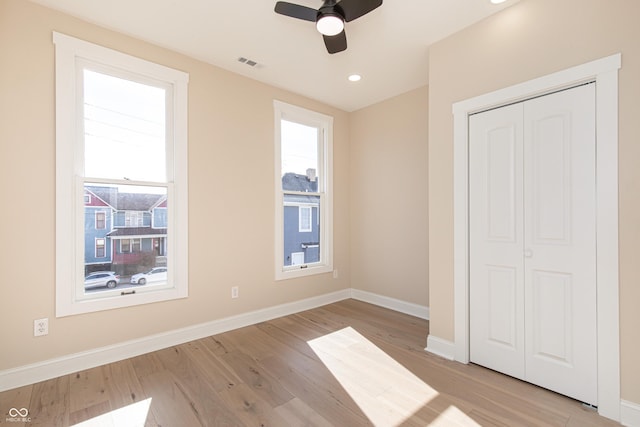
410,308
440,347
52,368
629,414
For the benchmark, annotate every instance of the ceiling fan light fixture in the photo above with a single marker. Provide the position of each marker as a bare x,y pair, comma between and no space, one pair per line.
330,18
330,24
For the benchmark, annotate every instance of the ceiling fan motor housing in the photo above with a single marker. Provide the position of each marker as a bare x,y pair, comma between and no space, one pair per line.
331,8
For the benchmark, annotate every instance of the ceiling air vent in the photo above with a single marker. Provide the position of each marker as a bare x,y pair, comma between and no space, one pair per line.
249,62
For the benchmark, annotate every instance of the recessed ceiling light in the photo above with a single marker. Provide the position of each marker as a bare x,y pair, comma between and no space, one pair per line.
355,77
497,1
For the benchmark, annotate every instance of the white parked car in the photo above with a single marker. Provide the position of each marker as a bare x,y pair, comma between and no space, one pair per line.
157,274
99,279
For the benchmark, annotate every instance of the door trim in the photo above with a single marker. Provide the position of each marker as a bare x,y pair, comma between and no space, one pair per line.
604,72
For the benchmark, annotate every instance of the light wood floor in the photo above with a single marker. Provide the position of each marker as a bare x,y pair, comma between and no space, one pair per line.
345,364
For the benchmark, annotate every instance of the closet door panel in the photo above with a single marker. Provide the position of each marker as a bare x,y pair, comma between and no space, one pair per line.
496,229
560,276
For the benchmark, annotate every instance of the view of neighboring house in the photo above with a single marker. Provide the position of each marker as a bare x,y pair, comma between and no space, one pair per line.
301,220
127,232
124,232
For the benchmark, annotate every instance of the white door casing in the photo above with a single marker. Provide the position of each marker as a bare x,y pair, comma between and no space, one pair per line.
532,241
604,72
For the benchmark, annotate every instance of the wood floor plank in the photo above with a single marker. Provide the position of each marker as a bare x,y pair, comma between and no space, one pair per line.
297,367
169,405
292,334
88,395
194,385
211,367
89,412
123,386
17,399
49,405
146,364
320,392
296,413
404,331
250,408
344,364
199,375
251,340
263,383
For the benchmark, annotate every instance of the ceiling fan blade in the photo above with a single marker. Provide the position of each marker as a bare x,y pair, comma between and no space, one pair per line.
296,11
336,43
353,9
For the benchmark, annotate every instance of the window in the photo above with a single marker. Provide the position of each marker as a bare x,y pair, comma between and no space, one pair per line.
297,258
136,245
133,219
121,147
303,180
130,246
100,248
304,221
101,220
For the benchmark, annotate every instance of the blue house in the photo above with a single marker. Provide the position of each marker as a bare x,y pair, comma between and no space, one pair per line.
301,219
98,222
124,232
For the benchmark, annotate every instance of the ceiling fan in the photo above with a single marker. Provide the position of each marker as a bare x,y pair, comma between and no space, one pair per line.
330,18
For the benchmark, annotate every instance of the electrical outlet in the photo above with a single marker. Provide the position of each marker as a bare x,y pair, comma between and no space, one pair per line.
235,292
335,273
40,327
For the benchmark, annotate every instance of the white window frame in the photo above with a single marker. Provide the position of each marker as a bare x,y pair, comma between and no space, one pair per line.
305,211
284,111
70,296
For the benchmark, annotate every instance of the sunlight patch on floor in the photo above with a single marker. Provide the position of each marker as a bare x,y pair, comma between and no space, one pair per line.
453,416
386,392
134,415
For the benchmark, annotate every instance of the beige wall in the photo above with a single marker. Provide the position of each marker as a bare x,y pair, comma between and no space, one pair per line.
231,207
388,188
531,39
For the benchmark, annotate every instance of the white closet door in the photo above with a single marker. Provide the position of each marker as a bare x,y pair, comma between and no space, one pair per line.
532,241
496,240
560,244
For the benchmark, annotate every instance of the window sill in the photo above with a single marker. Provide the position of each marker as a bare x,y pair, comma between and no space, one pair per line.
303,271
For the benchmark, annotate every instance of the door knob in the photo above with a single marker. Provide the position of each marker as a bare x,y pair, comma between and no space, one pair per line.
528,253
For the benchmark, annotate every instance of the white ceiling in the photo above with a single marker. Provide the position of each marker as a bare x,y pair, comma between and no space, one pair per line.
388,46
